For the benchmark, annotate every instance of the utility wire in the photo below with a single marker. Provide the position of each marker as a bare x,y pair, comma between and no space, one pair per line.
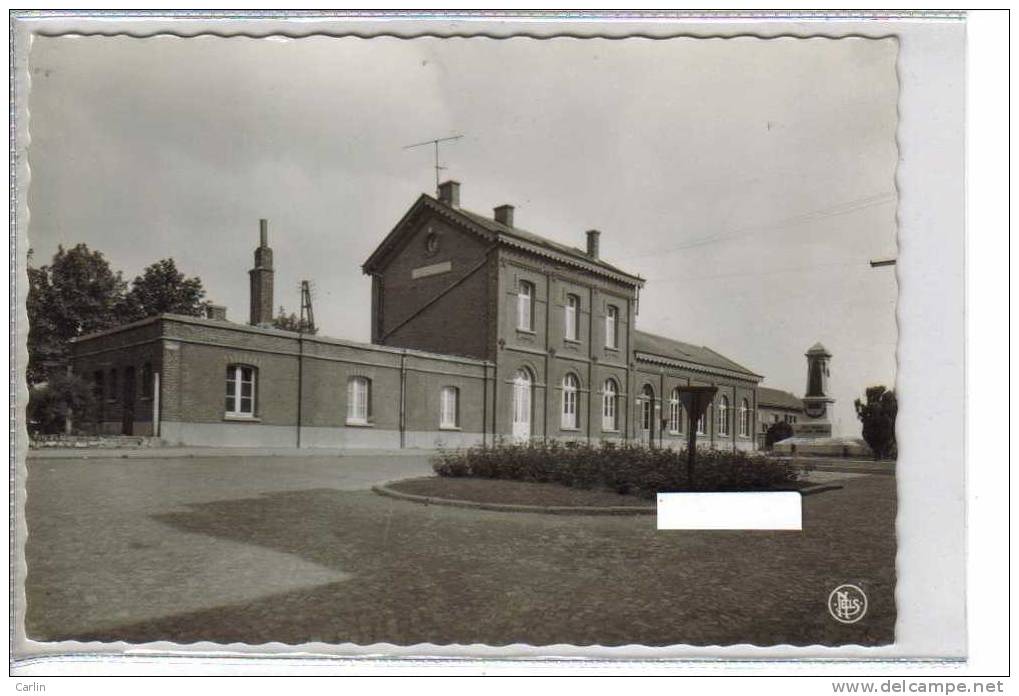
812,216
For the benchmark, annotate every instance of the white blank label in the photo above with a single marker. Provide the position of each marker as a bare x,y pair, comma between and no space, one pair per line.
757,510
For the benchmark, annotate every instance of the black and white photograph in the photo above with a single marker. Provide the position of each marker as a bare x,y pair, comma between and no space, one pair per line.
354,339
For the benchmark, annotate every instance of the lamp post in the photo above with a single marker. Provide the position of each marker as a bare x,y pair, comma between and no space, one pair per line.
695,400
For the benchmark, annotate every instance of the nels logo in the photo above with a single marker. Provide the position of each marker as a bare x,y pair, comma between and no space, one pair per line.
847,603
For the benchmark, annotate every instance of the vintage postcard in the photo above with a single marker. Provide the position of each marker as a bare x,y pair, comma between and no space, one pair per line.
363,339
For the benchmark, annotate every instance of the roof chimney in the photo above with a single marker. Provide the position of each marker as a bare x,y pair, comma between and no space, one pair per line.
449,193
217,312
504,215
592,243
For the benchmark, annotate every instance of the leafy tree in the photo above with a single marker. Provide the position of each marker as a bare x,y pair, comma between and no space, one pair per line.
777,432
77,294
878,418
64,396
291,322
162,289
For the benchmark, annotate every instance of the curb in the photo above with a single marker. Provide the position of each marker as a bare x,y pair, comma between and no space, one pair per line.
820,488
383,489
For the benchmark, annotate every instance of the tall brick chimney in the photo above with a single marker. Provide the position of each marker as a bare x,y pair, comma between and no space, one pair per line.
261,279
592,243
449,193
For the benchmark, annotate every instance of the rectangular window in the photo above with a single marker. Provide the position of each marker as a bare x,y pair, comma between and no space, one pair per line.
675,416
449,408
358,401
147,380
525,306
702,424
97,385
572,317
240,391
112,391
97,391
611,332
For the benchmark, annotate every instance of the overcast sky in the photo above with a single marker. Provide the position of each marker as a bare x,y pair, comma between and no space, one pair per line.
749,181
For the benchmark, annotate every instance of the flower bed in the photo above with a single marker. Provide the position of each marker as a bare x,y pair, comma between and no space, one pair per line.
627,469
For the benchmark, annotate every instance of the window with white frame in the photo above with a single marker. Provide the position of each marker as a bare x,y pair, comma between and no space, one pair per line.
359,400
449,408
723,416
702,423
525,306
675,413
522,398
610,397
240,391
570,386
611,330
744,418
572,317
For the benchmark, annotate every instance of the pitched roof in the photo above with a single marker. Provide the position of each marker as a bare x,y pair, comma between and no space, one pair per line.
510,234
498,232
767,396
679,351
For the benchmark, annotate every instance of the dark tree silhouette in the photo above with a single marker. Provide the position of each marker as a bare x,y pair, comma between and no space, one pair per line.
878,418
162,289
291,322
77,294
777,432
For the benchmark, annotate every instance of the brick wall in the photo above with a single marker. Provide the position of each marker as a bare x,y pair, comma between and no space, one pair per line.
191,358
123,408
436,300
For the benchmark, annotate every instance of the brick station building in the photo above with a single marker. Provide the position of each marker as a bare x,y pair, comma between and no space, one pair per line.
480,331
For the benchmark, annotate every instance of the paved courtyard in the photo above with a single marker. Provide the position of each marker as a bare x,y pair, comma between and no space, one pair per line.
297,549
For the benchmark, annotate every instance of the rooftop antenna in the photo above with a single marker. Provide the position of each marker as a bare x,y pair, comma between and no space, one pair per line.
435,144
307,320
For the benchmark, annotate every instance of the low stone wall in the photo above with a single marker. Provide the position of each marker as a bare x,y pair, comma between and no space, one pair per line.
846,447
93,441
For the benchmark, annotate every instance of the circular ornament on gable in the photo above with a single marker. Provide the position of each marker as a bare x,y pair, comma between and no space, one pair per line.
432,243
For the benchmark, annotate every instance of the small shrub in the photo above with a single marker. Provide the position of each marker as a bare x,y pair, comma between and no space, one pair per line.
626,468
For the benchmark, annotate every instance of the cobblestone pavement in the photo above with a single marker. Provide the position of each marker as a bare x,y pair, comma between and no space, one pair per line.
297,550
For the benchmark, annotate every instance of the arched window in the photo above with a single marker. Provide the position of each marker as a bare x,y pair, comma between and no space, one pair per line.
359,400
525,306
571,318
240,391
647,408
449,408
522,389
702,422
723,416
675,413
609,408
571,384
744,418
